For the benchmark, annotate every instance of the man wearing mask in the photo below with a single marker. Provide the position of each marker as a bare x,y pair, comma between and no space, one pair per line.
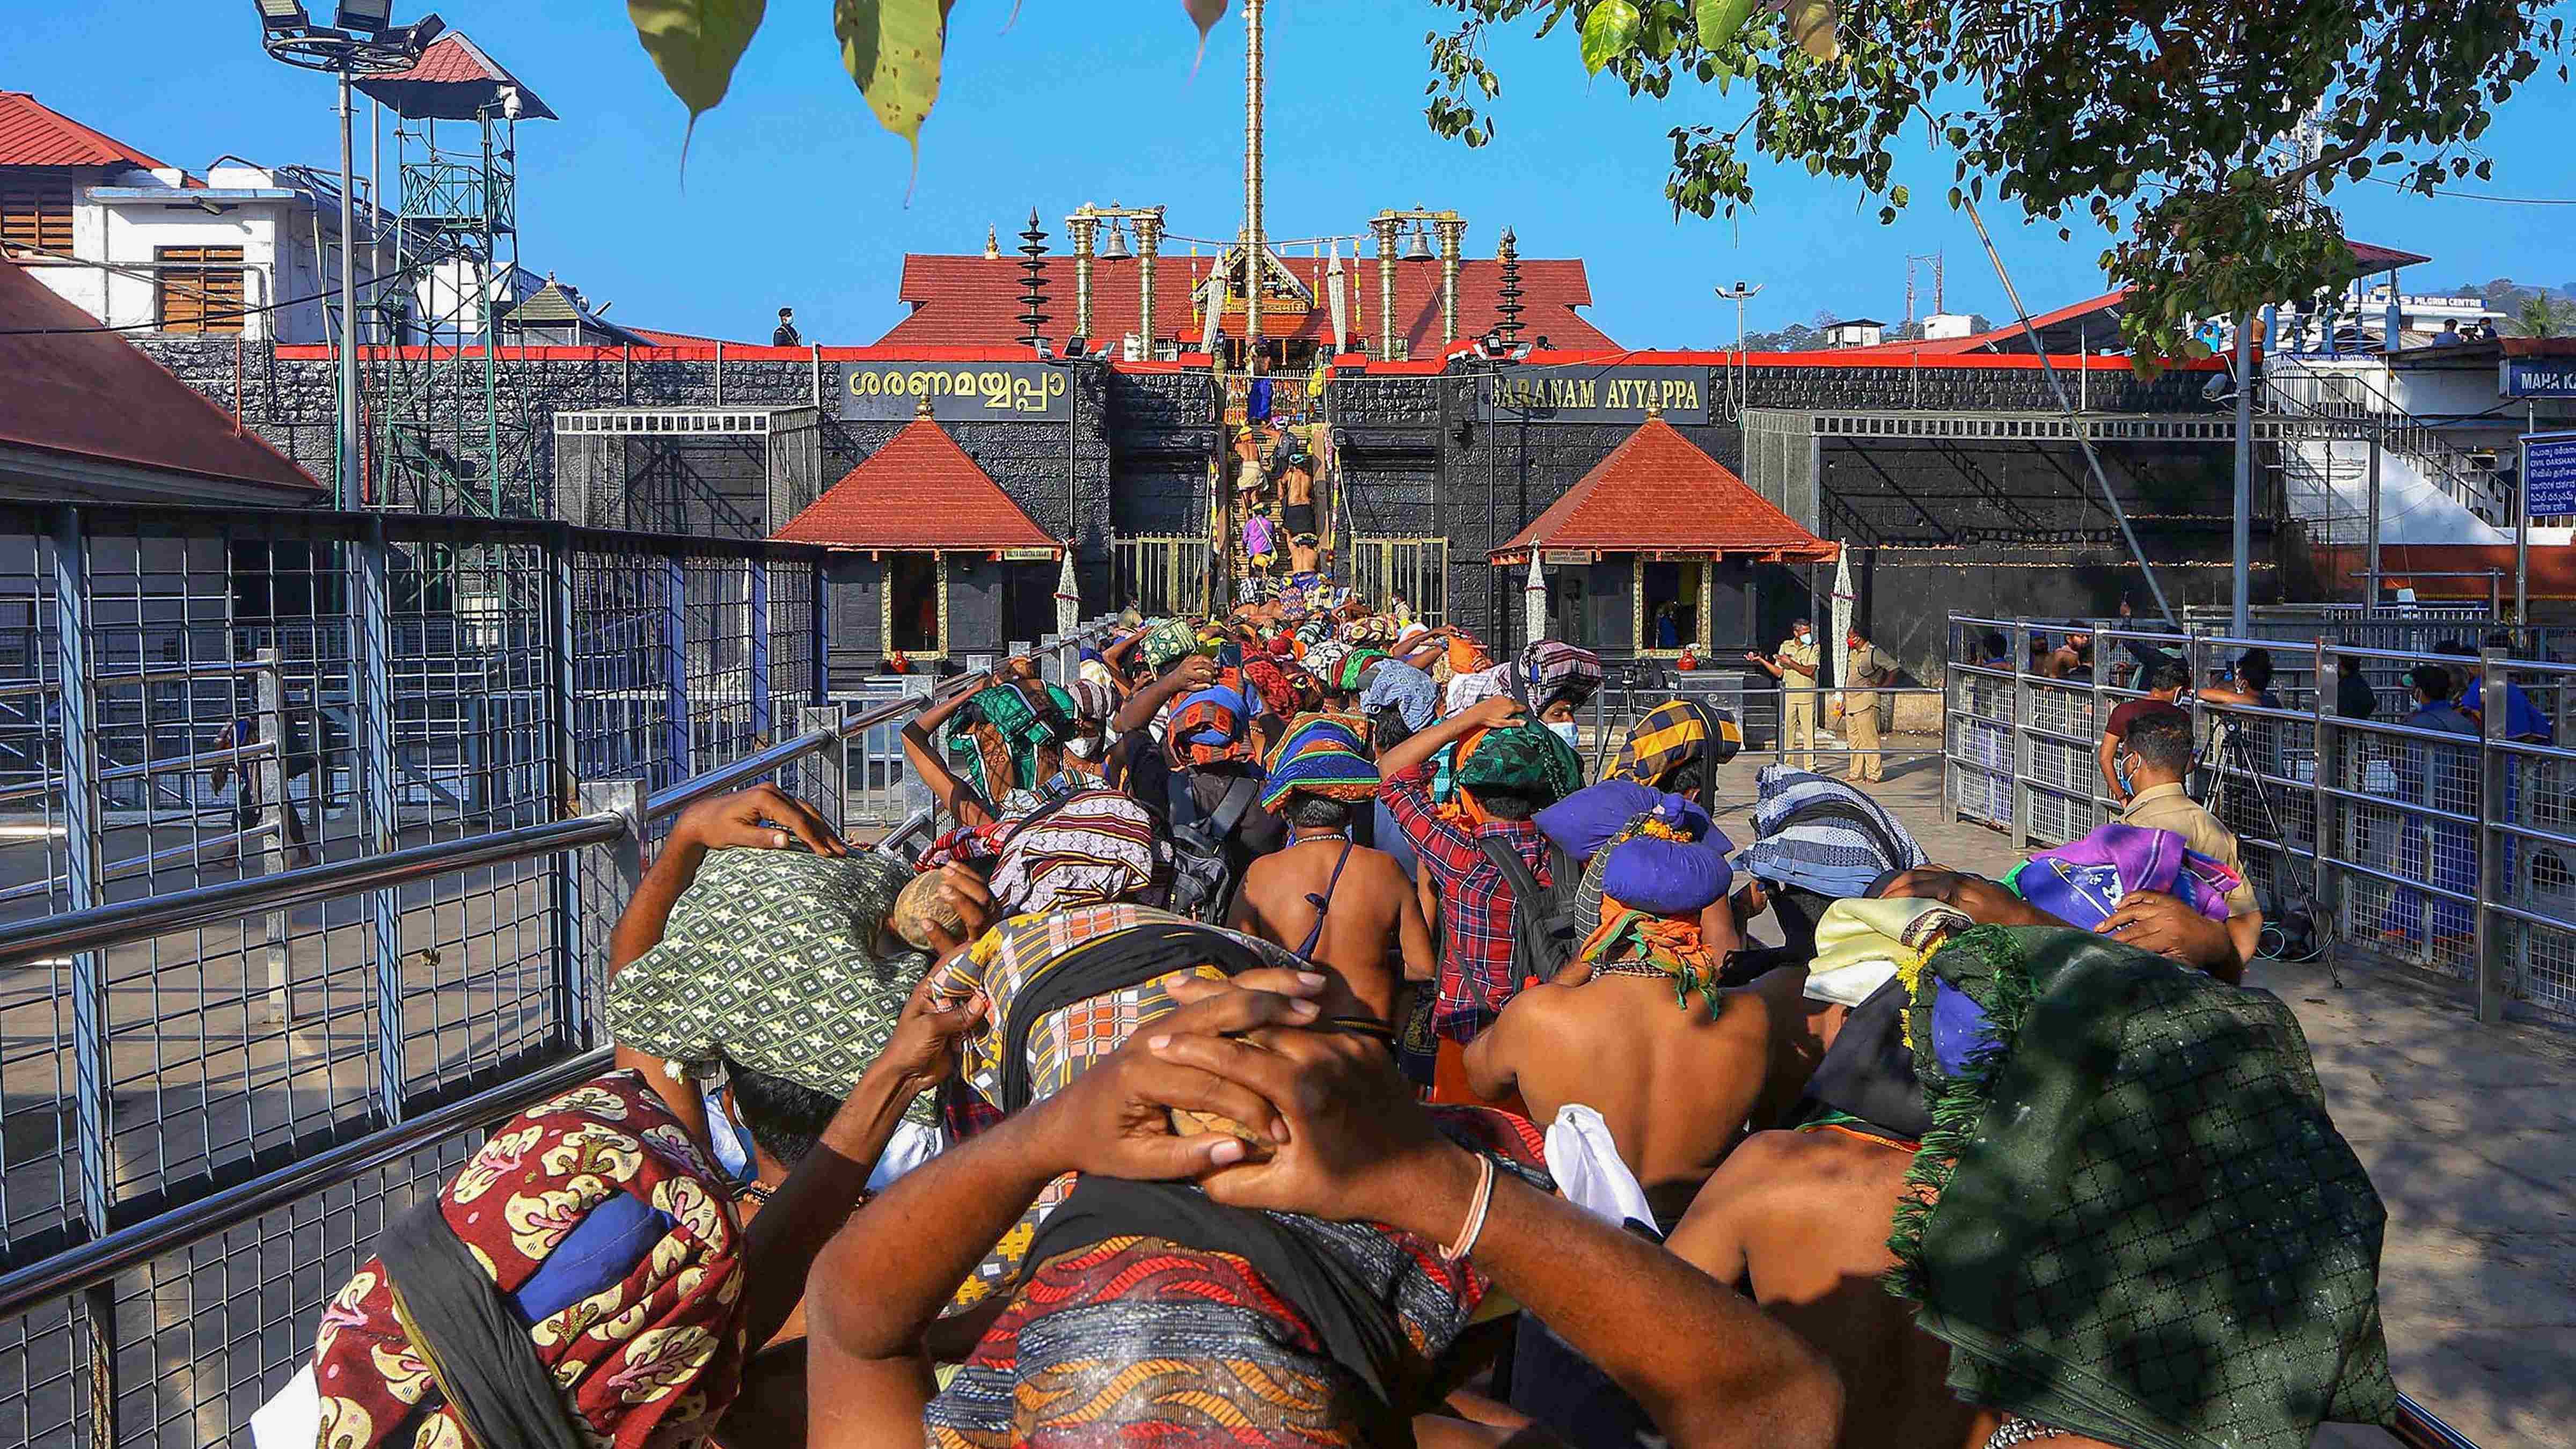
1872,669
1795,667
786,335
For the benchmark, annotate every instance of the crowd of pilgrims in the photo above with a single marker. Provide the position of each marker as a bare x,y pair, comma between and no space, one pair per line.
1288,1046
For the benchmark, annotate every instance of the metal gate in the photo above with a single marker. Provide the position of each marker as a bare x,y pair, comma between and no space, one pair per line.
1163,574
1378,569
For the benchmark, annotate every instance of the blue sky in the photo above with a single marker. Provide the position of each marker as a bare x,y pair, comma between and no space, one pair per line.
794,195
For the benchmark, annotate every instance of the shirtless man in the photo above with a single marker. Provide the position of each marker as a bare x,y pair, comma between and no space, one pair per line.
1297,489
1675,1083
1367,932
1675,1087
1800,1220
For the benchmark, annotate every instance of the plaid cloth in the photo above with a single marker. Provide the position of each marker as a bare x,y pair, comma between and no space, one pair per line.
1467,690
771,957
1671,735
1475,903
2133,1218
652,1359
1553,669
1062,1045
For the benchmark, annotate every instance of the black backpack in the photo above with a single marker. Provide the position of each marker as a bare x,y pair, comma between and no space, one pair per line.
1204,881
1545,935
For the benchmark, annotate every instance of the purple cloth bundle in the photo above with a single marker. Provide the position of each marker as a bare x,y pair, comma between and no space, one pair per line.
1585,821
2082,881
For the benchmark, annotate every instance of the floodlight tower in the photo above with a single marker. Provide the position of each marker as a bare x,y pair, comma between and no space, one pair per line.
362,40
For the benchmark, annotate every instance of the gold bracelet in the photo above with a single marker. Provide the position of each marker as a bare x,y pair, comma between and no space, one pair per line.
1476,1209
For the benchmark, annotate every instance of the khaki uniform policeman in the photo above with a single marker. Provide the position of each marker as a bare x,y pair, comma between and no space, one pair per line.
1795,668
1871,671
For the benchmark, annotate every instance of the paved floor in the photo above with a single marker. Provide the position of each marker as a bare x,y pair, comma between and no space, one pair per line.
2469,1133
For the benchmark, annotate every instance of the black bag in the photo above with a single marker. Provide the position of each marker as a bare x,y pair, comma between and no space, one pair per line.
1203,874
1545,935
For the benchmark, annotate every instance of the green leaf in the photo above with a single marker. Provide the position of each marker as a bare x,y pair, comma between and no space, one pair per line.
695,44
1719,20
1609,30
1811,26
892,48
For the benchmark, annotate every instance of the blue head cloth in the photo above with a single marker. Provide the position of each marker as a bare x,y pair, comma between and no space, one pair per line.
1585,821
1406,690
1667,877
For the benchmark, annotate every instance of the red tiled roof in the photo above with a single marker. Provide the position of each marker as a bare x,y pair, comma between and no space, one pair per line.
449,81
920,492
2381,259
91,394
1657,492
34,134
975,301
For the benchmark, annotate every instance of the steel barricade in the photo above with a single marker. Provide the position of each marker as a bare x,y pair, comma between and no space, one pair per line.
2445,852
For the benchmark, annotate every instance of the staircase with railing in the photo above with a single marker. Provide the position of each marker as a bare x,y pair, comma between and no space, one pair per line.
2339,395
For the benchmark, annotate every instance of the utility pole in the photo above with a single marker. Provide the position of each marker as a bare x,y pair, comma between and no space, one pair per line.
1740,293
1253,81
346,489
2242,612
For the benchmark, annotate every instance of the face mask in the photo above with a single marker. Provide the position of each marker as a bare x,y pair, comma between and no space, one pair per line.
1563,731
1082,747
2120,771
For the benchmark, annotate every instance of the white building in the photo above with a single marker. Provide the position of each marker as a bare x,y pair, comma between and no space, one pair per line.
144,246
1856,332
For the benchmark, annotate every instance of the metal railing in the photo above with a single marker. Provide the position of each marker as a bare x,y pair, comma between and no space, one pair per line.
168,1308
2398,839
2300,392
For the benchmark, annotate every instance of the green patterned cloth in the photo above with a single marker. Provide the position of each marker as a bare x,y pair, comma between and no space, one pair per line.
2133,1218
1167,640
771,959
1525,756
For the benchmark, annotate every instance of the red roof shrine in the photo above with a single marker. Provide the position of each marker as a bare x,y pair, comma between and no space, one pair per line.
85,415
919,493
34,134
1658,493
974,301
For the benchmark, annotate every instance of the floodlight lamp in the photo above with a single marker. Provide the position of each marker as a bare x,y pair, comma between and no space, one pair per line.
424,30
282,15
370,16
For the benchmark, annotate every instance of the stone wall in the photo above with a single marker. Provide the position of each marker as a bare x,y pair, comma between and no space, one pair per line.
1419,460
